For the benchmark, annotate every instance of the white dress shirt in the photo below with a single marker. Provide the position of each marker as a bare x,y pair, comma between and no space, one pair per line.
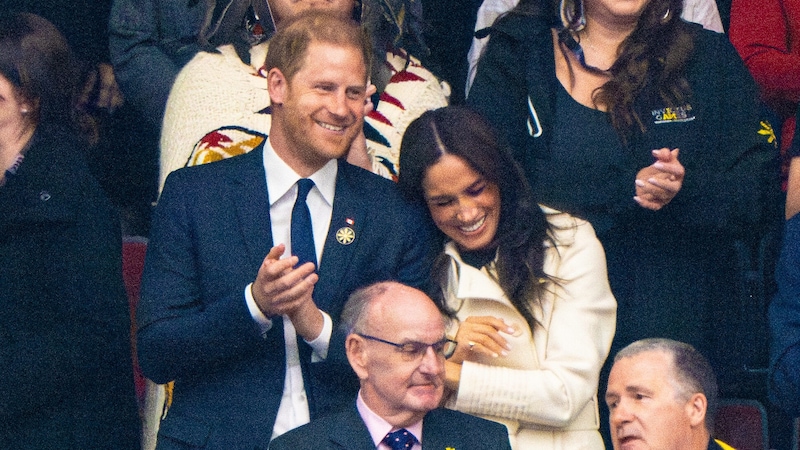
282,189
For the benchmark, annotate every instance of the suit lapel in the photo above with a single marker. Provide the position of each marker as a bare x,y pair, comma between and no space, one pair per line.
252,204
349,432
347,222
434,431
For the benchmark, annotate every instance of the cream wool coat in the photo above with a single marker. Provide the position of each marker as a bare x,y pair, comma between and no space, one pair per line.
545,390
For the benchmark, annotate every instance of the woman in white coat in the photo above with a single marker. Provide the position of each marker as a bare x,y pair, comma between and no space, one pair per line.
533,312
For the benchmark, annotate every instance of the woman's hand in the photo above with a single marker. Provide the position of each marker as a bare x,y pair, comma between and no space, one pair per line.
368,106
482,335
658,183
102,89
357,155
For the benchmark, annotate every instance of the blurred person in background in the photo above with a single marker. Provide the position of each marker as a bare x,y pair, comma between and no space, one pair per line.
122,155
766,33
65,331
704,12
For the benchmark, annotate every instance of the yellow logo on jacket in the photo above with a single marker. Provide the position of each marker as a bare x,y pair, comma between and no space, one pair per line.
766,130
672,114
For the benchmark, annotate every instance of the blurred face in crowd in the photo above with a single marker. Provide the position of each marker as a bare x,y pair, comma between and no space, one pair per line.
13,109
321,106
398,386
16,126
647,408
623,12
463,204
287,9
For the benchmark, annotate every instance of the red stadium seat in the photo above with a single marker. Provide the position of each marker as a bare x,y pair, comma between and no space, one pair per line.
742,424
133,251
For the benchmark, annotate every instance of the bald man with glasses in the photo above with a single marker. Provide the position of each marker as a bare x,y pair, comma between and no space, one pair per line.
396,344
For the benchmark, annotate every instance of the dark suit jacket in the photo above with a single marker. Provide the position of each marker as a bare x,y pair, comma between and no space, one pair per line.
210,234
784,321
65,355
441,429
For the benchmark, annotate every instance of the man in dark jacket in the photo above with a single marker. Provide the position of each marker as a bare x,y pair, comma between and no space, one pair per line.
399,359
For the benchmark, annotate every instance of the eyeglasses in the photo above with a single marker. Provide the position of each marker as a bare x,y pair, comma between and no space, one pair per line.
412,351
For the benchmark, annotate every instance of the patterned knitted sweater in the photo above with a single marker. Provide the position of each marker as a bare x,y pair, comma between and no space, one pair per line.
219,107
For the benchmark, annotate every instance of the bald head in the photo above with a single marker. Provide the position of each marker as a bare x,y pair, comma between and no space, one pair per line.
381,301
395,346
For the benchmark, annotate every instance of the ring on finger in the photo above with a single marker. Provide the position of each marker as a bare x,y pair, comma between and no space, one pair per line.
471,345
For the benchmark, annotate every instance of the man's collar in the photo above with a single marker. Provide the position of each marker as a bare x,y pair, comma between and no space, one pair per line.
281,177
378,427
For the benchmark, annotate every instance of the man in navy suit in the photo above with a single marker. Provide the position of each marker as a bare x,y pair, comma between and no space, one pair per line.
399,359
241,321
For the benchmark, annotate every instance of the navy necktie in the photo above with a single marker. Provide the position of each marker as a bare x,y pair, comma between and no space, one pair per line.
400,440
302,236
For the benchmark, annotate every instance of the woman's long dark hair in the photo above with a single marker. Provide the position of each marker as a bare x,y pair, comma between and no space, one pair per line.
523,227
654,54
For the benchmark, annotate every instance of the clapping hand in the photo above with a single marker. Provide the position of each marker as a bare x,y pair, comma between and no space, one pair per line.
281,288
658,183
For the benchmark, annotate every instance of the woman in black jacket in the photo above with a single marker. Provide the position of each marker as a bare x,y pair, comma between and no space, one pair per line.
64,332
649,127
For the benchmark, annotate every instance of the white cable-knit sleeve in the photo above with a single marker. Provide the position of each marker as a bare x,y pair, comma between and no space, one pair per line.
212,91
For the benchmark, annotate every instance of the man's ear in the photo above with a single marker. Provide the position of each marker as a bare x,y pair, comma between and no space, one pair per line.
357,355
277,84
696,409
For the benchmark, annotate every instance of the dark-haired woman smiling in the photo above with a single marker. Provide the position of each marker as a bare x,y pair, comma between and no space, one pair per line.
648,127
528,287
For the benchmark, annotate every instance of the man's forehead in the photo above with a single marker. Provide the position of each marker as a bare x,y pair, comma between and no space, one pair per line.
408,311
389,303
647,368
650,359
316,47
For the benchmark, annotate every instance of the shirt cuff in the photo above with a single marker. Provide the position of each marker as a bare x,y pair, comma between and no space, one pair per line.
264,322
321,343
